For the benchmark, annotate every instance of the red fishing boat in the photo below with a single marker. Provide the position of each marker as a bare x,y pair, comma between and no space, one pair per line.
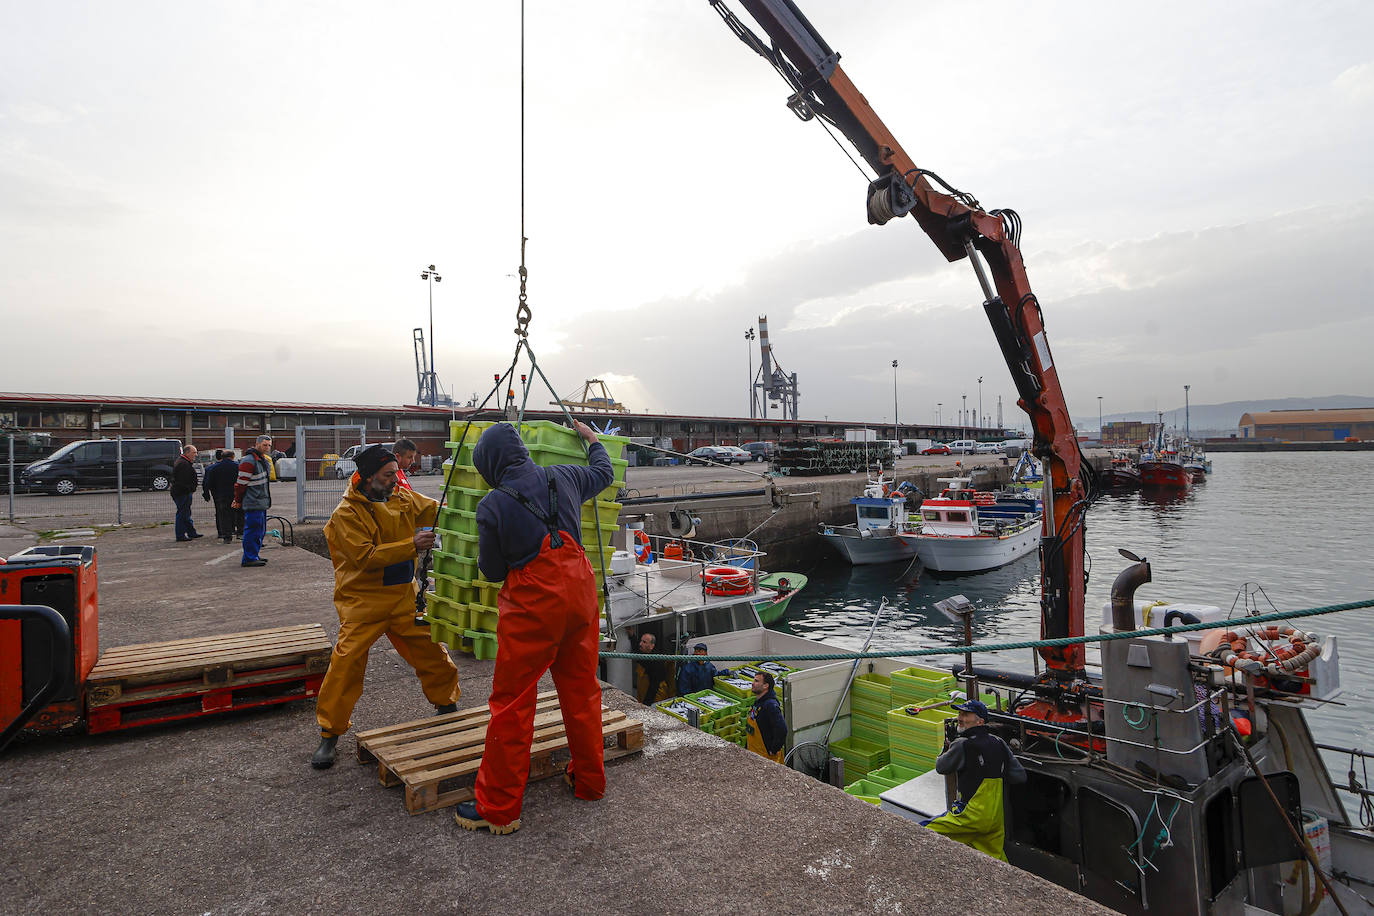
1164,470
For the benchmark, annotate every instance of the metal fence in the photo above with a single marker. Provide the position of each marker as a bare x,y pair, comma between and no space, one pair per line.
323,467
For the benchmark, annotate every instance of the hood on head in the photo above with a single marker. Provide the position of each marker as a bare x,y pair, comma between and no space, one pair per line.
498,452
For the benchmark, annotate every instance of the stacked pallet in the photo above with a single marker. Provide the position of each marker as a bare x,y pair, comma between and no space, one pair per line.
462,609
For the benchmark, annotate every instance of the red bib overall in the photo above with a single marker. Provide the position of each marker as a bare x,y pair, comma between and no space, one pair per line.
548,620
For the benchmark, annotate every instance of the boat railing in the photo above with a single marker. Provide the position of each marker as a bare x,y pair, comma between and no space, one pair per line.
683,571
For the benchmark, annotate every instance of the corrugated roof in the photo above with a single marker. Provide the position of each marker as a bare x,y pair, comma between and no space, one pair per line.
210,403
1291,417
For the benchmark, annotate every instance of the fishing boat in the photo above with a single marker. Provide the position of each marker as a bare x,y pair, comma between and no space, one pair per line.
1196,462
882,532
966,531
1121,474
1161,465
783,588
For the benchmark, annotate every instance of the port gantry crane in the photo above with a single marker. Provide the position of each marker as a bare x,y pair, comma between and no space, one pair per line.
961,228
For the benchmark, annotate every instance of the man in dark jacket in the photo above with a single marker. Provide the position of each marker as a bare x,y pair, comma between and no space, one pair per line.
529,534
766,727
982,762
218,484
184,485
697,674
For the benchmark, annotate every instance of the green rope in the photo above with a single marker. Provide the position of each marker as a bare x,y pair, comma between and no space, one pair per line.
1006,646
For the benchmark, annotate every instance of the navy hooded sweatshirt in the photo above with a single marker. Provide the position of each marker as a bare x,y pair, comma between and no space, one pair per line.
508,534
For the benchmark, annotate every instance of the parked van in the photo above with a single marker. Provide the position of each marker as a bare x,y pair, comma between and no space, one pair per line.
963,446
94,463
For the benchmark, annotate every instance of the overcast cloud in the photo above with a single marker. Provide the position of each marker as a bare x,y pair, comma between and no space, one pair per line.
235,200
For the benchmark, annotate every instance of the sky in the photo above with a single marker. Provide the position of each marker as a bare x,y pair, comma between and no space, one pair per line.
235,200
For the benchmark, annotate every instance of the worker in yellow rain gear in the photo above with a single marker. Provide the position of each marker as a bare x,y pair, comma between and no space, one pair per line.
982,761
766,728
374,535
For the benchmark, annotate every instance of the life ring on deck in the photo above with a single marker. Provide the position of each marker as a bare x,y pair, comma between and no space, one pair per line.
643,550
726,580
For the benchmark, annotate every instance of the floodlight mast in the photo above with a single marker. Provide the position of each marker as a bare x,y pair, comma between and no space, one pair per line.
959,227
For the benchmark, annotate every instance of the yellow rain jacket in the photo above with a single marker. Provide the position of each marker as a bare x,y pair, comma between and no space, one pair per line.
372,548
373,551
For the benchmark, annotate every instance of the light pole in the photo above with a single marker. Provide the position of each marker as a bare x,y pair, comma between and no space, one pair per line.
982,420
1186,427
748,336
431,276
963,417
896,434
939,417
1099,418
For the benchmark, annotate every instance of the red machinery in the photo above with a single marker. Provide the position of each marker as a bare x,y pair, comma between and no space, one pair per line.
960,227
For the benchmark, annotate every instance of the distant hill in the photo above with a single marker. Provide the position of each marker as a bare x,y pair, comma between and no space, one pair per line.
1224,418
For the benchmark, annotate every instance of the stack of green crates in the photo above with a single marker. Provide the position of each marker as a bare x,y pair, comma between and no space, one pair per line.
919,686
870,697
722,716
917,740
462,609
678,707
860,757
865,790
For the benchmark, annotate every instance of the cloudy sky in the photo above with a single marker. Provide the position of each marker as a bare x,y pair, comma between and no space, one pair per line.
235,200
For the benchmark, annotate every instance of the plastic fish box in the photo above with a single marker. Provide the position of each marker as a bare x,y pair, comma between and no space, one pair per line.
457,521
873,691
452,612
894,773
474,429
464,499
719,708
447,635
483,644
911,685
464,476
777,669
454,566
464,450
677,707
867,791
916,763
459,591
483,618
737,687
866,754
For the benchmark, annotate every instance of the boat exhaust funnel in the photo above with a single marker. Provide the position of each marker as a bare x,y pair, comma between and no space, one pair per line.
1123,591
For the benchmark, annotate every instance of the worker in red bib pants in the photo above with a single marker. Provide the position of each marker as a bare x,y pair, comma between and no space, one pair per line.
529,535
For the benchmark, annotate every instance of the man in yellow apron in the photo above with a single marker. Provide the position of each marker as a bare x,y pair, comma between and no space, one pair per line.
374,535
766,728
982,761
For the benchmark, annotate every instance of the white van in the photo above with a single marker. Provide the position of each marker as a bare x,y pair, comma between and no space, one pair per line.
963,446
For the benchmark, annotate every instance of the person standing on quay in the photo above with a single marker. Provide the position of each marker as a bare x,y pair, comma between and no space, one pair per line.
253,494
183,487
374,535
218,484
529,539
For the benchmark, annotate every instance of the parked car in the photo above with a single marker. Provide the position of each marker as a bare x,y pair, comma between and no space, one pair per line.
989,448
709,453
737,454
761,451
963,446
936,450
94,463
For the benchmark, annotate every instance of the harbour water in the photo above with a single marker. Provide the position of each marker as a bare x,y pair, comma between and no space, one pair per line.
1299,525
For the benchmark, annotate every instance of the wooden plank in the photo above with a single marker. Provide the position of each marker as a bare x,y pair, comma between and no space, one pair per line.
411,753
415,744
116,668
138,649
247,658
469,712
118,695
546,739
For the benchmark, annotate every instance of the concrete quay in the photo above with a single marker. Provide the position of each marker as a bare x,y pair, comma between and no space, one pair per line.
224,814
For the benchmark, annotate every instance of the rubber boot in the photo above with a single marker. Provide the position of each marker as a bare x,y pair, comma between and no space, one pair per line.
469,819
445,709
324,754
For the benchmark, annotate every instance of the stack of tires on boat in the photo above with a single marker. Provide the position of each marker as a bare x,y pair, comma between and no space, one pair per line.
887,745
723,711
462,611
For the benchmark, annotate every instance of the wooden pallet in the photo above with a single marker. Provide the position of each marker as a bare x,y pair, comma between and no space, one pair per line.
185,678
436,759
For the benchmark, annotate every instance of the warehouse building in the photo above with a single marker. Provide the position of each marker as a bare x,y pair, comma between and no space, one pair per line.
1332,425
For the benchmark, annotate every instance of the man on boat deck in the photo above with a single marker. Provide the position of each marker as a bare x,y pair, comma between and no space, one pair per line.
697,674
982,761
529,535
766,727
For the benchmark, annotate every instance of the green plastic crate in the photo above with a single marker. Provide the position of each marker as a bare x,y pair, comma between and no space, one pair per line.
735,687
475,429
855,752
864,790
916,685
457,521
483,617
448,635
464,499
450,612
462,545
677,707
894,773
455,566
459,591
718,707
483,644
464,476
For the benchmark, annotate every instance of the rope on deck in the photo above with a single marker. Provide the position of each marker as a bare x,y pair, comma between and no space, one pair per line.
958,649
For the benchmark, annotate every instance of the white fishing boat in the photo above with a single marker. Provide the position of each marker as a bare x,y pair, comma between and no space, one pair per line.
964,531
882,532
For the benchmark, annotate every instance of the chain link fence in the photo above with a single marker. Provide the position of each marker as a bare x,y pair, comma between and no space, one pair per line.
322,468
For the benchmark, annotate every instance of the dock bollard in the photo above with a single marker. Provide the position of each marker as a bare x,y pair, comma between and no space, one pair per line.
837,772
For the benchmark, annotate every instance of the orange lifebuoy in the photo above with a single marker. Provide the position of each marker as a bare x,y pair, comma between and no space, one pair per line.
643,549
726,580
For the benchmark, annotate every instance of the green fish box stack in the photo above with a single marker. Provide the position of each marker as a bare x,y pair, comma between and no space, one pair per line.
920,686
870,697
879,781
917,740
723,716
860,757
462,610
